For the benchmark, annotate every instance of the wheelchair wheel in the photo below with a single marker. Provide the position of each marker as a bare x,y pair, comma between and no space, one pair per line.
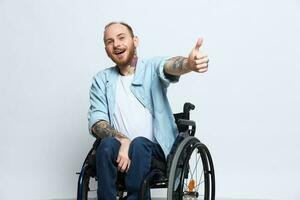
191,174
84,183
85,187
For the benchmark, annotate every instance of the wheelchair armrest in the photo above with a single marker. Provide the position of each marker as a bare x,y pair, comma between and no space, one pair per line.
188,124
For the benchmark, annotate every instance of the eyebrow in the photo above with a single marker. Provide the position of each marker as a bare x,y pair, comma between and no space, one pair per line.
120,34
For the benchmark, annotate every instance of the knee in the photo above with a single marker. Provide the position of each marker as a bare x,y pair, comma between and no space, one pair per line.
140,142
106,148
140,146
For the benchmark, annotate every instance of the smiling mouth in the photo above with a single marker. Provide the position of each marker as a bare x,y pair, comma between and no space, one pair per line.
119,52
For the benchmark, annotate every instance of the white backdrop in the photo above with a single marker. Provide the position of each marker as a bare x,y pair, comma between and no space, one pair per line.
247,105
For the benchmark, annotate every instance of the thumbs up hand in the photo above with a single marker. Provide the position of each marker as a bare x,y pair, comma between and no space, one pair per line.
197,61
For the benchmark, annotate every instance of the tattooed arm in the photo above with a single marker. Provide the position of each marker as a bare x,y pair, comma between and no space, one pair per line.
102,129
196,61
176,66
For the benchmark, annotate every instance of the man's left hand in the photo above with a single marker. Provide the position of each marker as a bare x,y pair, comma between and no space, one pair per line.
197,61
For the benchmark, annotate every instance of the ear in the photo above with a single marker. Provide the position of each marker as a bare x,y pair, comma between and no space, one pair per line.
136,41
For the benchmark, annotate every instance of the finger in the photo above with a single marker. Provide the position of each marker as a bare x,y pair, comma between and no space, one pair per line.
201,61
200,66
200,56
198,44
202,70
118,159
124,166
120,164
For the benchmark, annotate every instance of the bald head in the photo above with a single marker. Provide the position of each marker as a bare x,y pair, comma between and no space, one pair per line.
127,26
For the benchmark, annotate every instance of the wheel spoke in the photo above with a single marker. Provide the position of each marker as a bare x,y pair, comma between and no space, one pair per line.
197,160
200,182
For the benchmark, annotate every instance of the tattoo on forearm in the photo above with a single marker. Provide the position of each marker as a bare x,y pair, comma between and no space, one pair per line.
176,65
177,62
102,129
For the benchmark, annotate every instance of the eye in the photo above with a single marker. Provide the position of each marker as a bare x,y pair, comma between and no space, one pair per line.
122,38
108,42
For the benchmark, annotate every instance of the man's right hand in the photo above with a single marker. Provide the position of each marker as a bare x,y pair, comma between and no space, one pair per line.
103,129
123,158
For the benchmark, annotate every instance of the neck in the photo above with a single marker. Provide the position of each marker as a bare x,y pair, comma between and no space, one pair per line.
129,69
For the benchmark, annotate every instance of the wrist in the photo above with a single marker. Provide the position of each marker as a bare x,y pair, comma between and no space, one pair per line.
186,65
123,140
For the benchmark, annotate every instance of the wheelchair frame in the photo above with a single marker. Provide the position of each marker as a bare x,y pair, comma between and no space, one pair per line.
175,170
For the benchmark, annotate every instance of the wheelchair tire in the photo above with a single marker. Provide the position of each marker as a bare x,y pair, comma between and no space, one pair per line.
181,177
83,186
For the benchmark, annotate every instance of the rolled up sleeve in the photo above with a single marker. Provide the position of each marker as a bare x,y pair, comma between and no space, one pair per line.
98,103
165,78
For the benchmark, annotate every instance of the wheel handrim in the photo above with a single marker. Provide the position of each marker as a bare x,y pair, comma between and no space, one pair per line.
178,180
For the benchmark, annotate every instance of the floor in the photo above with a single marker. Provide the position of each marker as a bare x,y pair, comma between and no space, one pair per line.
165,198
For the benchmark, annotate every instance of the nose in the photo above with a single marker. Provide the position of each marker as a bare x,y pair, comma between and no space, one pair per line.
117,44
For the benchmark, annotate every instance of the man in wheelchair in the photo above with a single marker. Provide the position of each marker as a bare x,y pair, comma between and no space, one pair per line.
130,112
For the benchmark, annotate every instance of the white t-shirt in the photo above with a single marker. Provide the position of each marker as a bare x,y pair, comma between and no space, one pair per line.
131,118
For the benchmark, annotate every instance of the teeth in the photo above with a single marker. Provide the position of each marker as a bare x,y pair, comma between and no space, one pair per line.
119,52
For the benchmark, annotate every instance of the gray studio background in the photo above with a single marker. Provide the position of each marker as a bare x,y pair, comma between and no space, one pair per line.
247,105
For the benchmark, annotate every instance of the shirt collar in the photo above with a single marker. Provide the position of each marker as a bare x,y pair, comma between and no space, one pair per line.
138,78
139,73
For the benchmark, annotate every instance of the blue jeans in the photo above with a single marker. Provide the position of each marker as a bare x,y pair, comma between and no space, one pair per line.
141,151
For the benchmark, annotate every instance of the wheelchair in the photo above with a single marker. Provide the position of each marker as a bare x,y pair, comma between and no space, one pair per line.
188,173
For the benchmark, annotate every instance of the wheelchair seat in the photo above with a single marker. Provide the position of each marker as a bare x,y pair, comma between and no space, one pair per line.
178,174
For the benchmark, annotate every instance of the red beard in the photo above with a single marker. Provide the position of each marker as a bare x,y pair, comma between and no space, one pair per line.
125,58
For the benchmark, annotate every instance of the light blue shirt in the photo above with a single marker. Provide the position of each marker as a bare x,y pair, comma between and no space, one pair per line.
149,86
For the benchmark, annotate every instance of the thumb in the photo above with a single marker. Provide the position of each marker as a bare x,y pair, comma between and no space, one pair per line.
199,43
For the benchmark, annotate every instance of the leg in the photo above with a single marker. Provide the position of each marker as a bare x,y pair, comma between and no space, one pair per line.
140,152
106,156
